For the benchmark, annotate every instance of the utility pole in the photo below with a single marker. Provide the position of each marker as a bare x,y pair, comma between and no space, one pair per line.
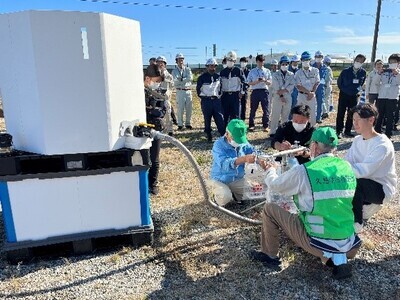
375,42
271,53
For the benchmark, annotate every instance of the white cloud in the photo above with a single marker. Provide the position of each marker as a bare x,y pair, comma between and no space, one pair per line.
344,31
287,42
383,39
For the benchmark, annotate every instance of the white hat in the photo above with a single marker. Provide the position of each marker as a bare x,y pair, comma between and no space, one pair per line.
231,55
327,59
179,55
274,62
318,53
295,58
162,58
211,61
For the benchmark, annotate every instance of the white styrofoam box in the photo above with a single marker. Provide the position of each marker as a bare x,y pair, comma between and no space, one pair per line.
44,208
68,79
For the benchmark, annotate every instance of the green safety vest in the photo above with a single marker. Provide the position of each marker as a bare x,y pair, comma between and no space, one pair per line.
333,185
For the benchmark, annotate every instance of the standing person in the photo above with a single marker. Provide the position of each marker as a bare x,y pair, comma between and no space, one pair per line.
232,81
281,100
298,130
328,88
373,82
230,154
243,102
183,80
155,113
166,89
320,92
388,95
294,67
372,158
307,81
209,90
350,84
323,189
259,79
274,65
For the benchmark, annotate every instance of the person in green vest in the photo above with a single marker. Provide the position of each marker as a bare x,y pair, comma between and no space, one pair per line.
323,191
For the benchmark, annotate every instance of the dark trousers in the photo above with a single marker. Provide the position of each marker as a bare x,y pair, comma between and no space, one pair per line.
173,116
346,103
155,162
243,103
257,97
294,101
367,192
386,109
320,95
230,106
212,108
397,112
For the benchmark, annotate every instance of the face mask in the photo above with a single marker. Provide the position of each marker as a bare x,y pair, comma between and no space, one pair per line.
154,85
305,63
224,66
230,64
294,67
243,65
357,65
299,127
284,68
393,66
318,59
234,144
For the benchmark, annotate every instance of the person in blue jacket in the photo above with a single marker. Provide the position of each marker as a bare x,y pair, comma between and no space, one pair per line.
209,90
230,154
320,92
350,84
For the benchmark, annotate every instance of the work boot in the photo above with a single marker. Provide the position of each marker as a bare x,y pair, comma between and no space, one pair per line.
341,271
189,127
180,128
265,259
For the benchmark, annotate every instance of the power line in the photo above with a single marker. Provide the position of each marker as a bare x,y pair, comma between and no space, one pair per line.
233,9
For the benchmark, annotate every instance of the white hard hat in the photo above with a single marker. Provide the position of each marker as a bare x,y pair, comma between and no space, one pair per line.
162,58
295,58
231,55
211,61
318,53
179,55
327,59
274,62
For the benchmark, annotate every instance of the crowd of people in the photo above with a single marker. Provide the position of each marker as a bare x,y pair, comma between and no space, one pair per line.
334,196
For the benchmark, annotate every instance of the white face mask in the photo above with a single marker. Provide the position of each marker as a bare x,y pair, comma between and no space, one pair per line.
243,65
230,64
357,65
154,85
224,66
284,68
299,127
305,63
318,59
234,144
393,66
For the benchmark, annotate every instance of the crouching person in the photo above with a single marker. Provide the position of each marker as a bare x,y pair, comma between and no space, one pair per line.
230,154
324,190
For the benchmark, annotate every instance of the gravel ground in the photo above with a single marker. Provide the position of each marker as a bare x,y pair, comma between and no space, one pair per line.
200,253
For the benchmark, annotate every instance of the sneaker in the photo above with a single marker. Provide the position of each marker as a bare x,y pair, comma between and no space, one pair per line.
325,116
348,134
358,228
180,128
370,209
265,259
189,127
319,121
341,271
251,129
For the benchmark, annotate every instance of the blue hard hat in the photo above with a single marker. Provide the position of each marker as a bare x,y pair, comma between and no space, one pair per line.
306,55
318,53
327,59
284,59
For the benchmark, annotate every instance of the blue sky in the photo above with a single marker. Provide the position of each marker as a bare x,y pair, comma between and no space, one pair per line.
167,30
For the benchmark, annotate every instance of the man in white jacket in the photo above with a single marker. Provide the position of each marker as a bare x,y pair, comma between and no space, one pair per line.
371,156
373,81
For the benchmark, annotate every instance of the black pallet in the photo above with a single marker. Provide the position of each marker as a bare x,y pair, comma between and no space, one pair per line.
75,245
22,163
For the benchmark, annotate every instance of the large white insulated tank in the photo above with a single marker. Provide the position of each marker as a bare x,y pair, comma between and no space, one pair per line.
68,79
